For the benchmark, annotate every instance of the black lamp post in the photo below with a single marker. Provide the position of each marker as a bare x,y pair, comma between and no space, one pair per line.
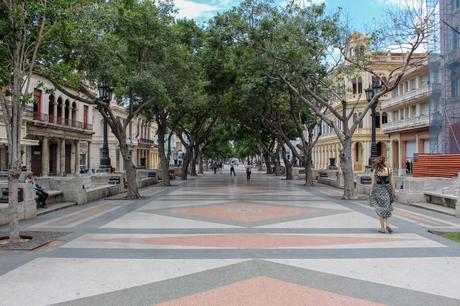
371,92
105,94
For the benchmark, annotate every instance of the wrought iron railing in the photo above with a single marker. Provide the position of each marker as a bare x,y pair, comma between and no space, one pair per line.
58,121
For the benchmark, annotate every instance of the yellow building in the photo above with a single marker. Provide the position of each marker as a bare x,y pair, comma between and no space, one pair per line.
154,160
328,145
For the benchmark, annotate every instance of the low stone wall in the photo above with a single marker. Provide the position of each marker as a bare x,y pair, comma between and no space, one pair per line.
330,177
27,209
410,190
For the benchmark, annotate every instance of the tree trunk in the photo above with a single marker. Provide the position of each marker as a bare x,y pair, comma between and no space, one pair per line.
186,163
200,163
14,156
193,166
348,177
287,166
164,163
267,163
308,168
133,191
276,160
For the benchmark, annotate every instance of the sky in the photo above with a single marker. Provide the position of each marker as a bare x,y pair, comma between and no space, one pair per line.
361,13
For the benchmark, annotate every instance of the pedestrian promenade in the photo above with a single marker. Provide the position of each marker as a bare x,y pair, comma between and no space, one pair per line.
217,240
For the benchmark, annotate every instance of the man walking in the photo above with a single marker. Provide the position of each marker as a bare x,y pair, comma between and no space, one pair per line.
248,170
232,168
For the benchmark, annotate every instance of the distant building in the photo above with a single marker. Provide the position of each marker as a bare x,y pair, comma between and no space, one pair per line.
328,145
139,136
408,118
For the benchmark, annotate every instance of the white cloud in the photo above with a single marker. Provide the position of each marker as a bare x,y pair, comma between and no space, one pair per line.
190,9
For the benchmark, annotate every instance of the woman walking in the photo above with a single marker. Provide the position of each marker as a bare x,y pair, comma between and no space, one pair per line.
382,193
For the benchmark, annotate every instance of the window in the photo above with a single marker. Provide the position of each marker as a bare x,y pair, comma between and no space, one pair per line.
413,111
412,84
37,101
401,114
377,120
357,85
384,118
455,4
360,125
455,86
395,116
455,37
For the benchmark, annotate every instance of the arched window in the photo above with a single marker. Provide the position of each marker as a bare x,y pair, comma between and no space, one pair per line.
67,112
51,109
59,110
74,114
384,118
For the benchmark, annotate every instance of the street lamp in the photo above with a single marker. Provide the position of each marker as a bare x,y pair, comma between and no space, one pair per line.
105,94
371,92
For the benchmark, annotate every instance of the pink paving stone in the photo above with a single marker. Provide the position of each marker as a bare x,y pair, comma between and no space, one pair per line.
247,241
265,291
243,212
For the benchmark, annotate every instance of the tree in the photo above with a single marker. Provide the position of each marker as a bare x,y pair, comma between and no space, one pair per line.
408,27
26,26
301,44
127,45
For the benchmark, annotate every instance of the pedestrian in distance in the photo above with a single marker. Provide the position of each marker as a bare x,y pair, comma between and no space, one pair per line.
382,193
39,191
214,166
248,170
232,168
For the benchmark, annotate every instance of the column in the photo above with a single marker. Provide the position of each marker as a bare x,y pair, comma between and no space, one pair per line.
63,115
399,155
417,143
55,115
73,158
62,156
402,154
45,157
77,157
58,159
88,157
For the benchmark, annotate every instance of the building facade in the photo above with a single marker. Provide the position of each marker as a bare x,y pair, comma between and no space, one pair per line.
61,129
445,71
328,145
140,138
408,124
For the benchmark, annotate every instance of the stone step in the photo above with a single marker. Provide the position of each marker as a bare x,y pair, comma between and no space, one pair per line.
54,207
436,208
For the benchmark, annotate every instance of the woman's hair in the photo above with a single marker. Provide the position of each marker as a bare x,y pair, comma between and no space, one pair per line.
30,174
379,163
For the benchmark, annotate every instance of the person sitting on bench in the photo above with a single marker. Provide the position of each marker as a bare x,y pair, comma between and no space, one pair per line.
41,193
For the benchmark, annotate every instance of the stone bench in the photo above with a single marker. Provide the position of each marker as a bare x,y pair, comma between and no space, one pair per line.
103,191
448,200
54,196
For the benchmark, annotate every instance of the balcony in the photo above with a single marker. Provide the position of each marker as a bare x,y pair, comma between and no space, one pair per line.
407,97
408,124
50,119
145,141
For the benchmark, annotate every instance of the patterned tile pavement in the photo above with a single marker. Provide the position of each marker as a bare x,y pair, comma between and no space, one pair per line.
217,240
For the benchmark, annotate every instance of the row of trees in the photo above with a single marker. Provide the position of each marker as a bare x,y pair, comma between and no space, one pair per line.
255,76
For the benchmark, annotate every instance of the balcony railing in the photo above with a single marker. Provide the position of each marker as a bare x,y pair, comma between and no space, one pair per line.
411,123
67,122
420,92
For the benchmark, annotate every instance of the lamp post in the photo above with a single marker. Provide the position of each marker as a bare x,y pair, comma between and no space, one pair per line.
371,92
105,94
